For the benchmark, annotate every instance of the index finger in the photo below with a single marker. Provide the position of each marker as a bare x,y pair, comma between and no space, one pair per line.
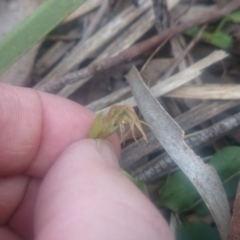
35,128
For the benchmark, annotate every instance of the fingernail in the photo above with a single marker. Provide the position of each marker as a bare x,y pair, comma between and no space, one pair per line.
107,151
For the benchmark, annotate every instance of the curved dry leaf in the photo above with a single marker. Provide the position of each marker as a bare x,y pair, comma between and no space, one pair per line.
170,136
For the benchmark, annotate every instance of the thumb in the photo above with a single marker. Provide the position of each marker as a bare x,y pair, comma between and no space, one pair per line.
85,196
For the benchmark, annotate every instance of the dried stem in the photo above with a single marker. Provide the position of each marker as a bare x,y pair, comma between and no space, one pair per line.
169,35
137,49
163,163
97,20
187,120
185,52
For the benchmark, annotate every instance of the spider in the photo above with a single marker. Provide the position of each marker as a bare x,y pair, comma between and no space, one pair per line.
117,118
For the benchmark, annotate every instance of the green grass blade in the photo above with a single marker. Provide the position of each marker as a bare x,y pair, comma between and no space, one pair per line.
31,30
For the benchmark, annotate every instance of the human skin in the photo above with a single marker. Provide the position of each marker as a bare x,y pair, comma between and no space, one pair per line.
57,184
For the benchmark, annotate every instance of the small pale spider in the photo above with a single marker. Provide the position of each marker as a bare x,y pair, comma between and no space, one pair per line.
117,118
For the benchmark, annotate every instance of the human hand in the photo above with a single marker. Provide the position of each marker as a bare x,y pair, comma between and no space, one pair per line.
55,184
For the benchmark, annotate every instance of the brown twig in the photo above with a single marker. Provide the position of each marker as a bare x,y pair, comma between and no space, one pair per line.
185,52
137,49
156,51
176,46
177,20
96,21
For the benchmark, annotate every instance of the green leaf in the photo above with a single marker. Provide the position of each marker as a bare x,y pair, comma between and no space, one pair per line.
196,231
33,29
192,31
226,162
234,17
217,38
220,39
230,187
178,193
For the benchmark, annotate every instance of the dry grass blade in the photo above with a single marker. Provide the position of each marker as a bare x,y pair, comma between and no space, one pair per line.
126,39
170,135
58,82
85,8
180,78
82,51
96,20
207,91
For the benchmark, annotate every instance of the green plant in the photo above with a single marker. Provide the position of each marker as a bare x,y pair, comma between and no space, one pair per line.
35,27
